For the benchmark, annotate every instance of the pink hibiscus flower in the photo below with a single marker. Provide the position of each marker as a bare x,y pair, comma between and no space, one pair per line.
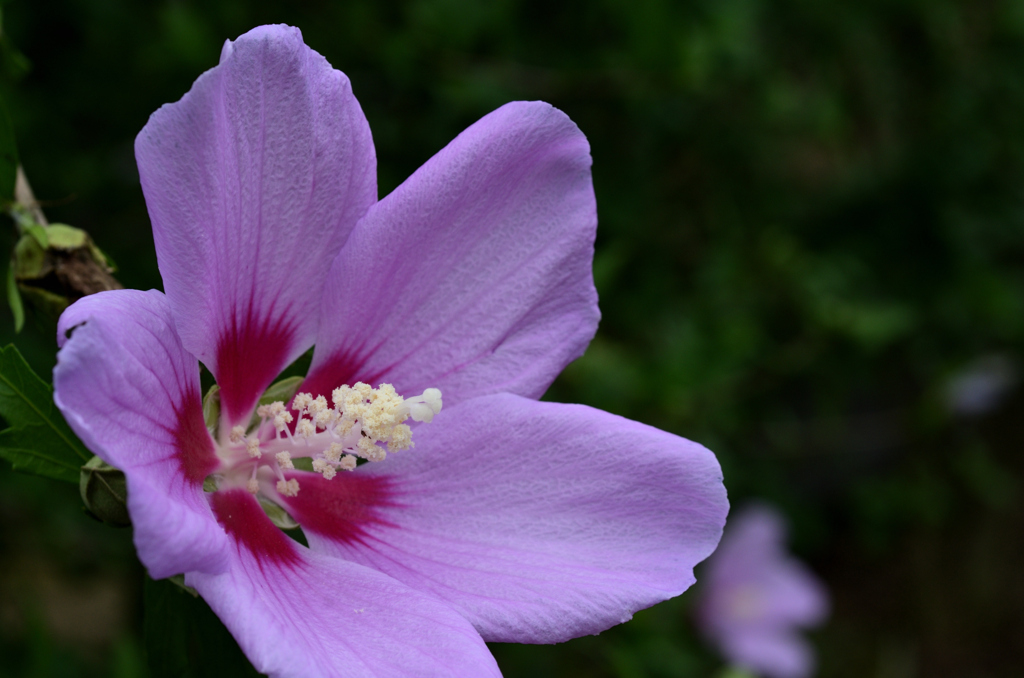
510,519
757,598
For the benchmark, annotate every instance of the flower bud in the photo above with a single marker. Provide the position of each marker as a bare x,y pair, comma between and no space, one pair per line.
104,492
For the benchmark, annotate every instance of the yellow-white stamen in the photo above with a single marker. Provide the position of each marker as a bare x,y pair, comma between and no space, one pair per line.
325,468
305,428
357,422
237,435
289,488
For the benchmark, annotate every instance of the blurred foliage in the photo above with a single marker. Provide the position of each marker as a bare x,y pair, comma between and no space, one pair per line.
811,217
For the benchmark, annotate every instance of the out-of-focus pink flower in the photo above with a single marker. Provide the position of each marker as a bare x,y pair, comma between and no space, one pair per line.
981,385
511,519
756,598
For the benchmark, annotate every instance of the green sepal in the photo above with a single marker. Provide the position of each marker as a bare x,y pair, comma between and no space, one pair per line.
30,260
105,492
39,233
211,409
14,300
283,391
179,580
45,301
277,515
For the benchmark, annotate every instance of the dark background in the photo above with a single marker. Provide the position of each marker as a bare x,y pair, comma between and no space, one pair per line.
811,220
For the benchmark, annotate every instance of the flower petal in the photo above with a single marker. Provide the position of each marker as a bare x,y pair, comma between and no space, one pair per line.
304,614
752,561
772,652
253,181
539,521
131,393
473,276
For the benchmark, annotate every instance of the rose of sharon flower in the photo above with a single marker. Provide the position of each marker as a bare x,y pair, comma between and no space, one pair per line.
470,286
756,598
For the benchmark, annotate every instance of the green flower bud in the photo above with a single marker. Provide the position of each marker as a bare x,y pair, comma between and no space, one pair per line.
104,492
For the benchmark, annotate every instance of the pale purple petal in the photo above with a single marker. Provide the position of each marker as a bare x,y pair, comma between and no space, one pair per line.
539,521
131,393
775,653
756,596
301,614
473,276
253,181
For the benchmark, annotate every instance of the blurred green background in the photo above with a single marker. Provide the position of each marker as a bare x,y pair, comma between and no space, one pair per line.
811,223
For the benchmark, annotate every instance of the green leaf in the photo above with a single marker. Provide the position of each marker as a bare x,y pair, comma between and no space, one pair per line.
8,155
14,300
185,639
26,402
36,449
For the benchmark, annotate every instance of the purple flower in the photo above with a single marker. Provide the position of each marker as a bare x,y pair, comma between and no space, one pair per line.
756,598
510,520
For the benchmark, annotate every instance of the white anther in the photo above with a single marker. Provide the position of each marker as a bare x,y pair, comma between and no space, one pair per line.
325,418
289,488
263,411
401,438
302,401
284,460
305,428
253,486
281,421
237,435
252,446
333,453
318,405
367,448
323,467
348,463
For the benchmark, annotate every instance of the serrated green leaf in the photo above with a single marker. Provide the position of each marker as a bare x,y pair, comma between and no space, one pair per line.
14,300
26,400
36,449
185,639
